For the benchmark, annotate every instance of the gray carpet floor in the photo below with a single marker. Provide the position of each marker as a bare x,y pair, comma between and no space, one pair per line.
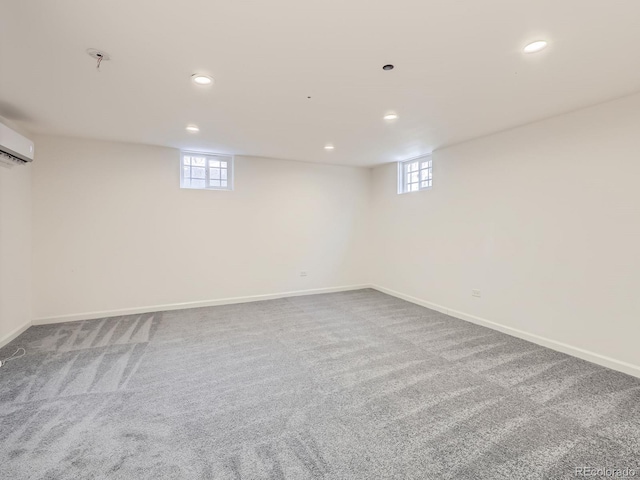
351,385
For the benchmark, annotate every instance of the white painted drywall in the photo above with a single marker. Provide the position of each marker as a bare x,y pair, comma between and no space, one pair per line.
113,230
15,250
543,219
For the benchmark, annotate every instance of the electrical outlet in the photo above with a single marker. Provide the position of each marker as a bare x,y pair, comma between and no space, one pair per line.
475,293
303,274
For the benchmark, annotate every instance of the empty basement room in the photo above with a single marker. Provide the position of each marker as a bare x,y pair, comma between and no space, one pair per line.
287,239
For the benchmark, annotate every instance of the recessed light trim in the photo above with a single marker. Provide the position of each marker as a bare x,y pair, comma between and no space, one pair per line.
329,147
391,116
536,46
192,128
202,80
388,67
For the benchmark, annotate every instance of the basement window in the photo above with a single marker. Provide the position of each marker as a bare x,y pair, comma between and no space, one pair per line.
415,174
206,171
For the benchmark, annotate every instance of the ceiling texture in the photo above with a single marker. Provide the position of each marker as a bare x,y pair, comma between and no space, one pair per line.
459,71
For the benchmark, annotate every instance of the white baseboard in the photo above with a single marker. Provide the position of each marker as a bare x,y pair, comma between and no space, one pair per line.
13,334
596,358
180,306
589,356
409,298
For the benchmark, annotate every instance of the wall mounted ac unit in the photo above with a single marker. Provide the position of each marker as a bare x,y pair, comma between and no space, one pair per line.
14,148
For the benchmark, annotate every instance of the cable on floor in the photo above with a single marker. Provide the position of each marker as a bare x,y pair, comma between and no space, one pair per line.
13,357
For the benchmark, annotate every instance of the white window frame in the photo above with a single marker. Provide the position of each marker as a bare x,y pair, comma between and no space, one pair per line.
422,183
209,157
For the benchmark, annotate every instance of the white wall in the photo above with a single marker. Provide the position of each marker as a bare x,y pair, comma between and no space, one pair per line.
15,250
543,219
113,230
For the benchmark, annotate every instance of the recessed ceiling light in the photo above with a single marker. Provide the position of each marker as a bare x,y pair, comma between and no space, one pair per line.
388,67
192,129
535,46
391,116
328,147
200,79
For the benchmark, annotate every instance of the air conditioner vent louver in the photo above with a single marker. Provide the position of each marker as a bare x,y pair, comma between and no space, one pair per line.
10,159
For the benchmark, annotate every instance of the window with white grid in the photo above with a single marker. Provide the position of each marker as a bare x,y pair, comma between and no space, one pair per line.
206,171
415,175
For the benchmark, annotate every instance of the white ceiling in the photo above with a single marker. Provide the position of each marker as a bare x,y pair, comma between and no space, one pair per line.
460,72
